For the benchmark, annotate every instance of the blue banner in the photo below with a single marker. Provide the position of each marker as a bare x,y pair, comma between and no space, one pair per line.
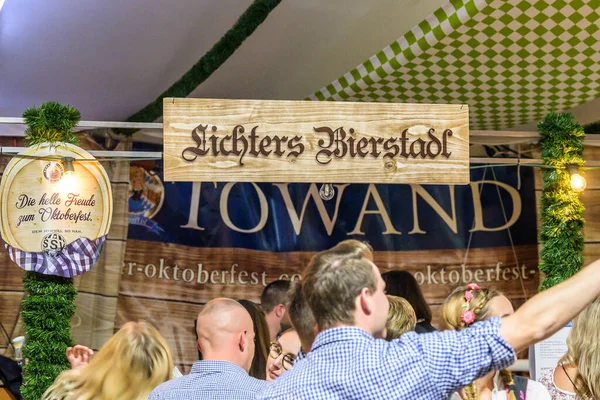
292,217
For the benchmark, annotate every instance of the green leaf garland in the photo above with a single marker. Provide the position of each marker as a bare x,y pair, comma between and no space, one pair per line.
561,209
47,309
51,122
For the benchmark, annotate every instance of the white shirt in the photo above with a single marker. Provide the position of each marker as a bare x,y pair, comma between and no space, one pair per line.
556,392
535,391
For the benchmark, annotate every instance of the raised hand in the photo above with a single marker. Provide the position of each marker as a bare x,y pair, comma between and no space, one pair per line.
79,356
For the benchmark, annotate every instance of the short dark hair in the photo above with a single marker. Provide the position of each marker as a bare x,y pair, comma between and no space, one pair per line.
403,284
274,294
301,316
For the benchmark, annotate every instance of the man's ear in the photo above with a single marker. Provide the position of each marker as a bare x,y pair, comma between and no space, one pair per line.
279,310
365,301
242,340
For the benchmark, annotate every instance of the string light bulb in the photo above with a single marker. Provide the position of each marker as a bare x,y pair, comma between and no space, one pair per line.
578,182
327,191
68,165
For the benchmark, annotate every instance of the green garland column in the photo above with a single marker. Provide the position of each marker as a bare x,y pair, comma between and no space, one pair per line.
48,306
49,301
561,208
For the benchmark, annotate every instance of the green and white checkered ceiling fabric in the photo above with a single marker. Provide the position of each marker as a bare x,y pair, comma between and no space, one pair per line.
511,61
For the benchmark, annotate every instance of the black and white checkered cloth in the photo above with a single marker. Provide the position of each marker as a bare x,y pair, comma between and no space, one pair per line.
74,259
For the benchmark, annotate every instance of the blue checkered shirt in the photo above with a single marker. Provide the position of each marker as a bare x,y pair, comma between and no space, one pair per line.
300,356
348,363
218,380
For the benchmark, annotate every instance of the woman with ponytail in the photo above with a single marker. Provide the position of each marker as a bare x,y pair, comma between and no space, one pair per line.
467,305
577,376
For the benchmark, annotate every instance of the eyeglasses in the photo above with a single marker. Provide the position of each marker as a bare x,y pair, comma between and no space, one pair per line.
275,352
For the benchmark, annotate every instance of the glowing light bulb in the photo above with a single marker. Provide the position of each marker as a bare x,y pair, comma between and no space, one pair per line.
327,191
578,182
67,184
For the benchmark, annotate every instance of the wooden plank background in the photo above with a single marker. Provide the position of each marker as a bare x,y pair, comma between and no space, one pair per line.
11,281
291,118
172,305
96,305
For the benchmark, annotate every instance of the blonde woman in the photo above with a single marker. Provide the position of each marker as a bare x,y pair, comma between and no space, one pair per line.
467,305
577,376
134,361
401,318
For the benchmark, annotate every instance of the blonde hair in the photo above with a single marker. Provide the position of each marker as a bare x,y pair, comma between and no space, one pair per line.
347,249
130,365
584,352
334,278
454,305
401,318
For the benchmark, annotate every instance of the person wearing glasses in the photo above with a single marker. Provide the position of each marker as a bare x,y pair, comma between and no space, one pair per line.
282,354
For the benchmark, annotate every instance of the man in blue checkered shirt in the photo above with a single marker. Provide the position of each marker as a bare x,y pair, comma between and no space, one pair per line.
226,339
347,296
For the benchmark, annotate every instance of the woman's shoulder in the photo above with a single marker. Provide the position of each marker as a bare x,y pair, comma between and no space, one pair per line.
547,381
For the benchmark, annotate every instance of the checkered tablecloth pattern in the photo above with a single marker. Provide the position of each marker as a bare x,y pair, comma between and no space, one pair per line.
74,259
511,61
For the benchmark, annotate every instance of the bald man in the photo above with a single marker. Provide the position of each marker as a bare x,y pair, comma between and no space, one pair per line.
226,340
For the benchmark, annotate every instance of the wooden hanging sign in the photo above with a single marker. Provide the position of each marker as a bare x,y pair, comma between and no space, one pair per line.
44,207
304,141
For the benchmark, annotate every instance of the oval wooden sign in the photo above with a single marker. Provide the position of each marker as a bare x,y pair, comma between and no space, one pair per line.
44,207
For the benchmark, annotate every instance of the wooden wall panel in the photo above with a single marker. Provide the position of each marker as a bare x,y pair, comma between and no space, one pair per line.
174,319
12,275
104,277
9,313
11,283
93,322
591,252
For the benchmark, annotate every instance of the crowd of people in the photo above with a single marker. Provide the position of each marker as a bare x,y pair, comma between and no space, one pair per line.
348,332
